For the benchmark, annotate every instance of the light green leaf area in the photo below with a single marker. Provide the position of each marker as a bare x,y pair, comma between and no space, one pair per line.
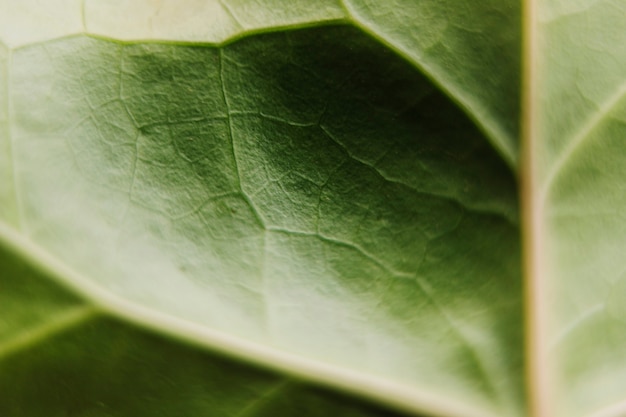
581,162
306,191
60,357
202,21
8,207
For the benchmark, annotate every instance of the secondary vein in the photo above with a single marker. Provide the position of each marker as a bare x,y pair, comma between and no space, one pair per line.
61,322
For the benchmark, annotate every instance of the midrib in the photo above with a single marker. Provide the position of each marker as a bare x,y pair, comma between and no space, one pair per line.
537,375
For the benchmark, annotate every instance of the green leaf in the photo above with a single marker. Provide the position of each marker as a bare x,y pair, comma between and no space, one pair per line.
471,49
63,357
306,196
326,189
578,117
306,191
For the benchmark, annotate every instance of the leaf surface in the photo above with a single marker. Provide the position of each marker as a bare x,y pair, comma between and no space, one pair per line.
8,208
472,49
61,356
578,163
304,194
435,35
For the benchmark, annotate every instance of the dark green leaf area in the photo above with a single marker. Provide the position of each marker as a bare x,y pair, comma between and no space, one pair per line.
28,301
308,189
472,48
102,368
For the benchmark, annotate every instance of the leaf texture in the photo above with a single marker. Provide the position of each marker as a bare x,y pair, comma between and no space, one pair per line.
472,49
275,188
60,356
580,113
316,182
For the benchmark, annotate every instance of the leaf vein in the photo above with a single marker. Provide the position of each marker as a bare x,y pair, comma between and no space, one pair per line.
58,323
594,122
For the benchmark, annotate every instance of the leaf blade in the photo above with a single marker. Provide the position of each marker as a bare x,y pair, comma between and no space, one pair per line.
578,108
142,126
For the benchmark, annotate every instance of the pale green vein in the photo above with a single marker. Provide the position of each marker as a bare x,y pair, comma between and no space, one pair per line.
481,362
274,118
478,113
59,323
83,15
337,242
574,324
231,14
584,134
264,399
510,219
228,115
216,44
